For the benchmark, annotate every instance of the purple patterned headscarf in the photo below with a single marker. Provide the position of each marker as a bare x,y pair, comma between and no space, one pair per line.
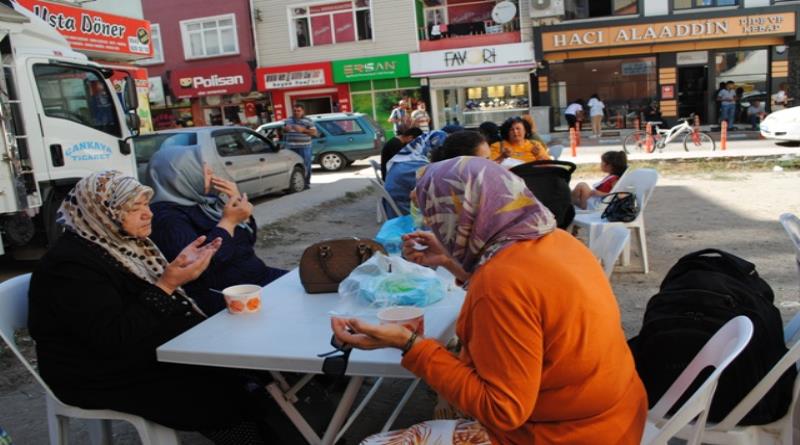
477,208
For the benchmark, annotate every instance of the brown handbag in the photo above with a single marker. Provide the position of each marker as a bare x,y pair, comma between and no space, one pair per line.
325,264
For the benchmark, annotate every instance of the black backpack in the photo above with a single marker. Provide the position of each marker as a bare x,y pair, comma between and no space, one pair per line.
701,292
548,180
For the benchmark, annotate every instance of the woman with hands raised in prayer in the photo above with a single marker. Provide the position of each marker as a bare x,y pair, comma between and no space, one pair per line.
543,356
104,298
188,203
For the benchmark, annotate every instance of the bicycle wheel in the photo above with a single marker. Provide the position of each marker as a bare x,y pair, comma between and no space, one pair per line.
699,142
634,142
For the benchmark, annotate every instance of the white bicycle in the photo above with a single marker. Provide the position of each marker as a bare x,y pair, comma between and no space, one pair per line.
694,139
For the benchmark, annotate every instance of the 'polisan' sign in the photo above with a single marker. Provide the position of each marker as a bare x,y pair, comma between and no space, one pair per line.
210,82
666,32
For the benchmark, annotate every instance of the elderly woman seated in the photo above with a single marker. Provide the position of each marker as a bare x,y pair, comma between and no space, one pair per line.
401,176
516,143
544,357
104,298
187,204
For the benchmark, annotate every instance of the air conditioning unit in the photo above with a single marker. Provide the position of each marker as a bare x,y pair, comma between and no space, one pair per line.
546,8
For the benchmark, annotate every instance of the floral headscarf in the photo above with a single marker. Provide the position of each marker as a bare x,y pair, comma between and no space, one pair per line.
477,208
419,149
93,210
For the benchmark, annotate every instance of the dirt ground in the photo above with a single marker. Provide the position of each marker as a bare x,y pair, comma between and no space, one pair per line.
735,211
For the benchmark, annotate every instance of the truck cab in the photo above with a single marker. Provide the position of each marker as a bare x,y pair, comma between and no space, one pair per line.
60,120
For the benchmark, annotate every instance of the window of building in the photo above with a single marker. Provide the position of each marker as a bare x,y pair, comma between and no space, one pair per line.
627,86
331,23
209,37
158,49
589,9
77,95
494,103
689,4
452,18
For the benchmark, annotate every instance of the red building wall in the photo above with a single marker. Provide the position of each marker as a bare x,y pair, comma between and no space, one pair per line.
168,13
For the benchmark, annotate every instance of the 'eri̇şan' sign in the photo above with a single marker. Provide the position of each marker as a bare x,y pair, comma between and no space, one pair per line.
665,32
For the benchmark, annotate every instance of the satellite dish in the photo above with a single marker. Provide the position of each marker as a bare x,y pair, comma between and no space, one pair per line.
504,12
540,4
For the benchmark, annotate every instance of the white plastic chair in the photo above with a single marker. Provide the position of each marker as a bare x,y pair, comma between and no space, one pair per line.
643,181
385,196
718,352
777,432
376,167
555,150
609,244
13,316
791,223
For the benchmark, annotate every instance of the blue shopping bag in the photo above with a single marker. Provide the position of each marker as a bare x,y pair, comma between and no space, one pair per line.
391,233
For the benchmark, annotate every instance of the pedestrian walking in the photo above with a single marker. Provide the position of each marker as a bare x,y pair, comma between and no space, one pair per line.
716,99
298,131
574,113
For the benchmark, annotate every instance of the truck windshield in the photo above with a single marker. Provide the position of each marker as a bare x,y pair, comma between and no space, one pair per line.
78,95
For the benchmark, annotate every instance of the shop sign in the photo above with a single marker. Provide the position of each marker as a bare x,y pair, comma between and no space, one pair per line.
667,92
294,76
479,58
225,79
371,68
480,80
666,32
692,58
95,32
638,68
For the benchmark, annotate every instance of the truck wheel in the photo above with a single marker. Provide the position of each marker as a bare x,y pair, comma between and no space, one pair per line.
52,229
332,161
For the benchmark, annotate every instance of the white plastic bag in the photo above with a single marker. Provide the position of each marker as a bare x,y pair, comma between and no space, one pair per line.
384,281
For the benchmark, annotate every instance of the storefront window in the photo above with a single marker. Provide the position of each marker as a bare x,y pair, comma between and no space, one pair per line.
452,18
378,98
748,71
471,106
331,23
689,4
626,86
588,9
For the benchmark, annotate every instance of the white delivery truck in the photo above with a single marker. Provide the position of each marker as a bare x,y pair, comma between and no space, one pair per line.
60,120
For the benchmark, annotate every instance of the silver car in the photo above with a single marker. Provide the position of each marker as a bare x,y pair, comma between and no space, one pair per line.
240,154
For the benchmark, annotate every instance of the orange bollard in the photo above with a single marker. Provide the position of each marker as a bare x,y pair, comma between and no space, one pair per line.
578,134
696,131
619,122
648,139
723,136
637,123
573,142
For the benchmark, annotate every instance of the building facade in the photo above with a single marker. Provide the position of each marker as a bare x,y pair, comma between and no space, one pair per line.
335,55
476,57
670,54
201,72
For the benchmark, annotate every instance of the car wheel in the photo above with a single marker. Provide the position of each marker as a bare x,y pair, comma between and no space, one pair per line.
332,161
297,181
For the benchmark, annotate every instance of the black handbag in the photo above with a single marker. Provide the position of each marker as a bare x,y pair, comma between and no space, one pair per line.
621,207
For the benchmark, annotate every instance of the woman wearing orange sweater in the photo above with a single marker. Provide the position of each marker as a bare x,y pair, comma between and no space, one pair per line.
543,357
518,143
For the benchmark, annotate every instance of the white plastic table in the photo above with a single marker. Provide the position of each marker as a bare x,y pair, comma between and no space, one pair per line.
286,335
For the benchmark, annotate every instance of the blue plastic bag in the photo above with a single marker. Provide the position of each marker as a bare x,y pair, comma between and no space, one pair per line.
384,281
392,231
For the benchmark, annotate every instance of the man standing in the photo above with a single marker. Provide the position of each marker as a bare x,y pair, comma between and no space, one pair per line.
420,117
727,98
298,131
400,116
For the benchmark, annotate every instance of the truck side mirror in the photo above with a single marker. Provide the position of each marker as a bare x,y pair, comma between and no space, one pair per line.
131,96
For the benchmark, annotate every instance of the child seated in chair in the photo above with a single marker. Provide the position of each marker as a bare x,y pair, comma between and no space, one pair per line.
587,197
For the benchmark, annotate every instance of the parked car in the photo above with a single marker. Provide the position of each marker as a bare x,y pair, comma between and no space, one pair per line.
252,161
343,138
783,125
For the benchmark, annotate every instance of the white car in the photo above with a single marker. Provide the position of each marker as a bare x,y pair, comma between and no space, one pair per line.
783,125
